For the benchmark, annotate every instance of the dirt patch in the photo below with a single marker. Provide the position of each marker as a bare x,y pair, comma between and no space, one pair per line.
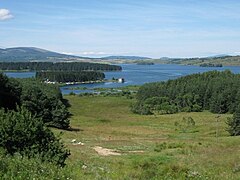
136,151
106,152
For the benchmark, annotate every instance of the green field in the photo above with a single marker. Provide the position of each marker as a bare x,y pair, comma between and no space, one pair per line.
150,147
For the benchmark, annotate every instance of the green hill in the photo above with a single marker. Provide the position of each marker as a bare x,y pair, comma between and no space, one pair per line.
224,60
33,54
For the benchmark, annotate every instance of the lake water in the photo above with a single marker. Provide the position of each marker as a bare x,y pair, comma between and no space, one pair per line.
136,75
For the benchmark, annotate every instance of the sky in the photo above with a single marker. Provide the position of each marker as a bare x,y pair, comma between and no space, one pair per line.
96,28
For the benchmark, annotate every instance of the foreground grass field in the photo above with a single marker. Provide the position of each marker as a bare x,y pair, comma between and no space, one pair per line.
148,147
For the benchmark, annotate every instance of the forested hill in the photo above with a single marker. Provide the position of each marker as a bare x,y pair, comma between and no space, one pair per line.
223,60
216,91
61,66
33,54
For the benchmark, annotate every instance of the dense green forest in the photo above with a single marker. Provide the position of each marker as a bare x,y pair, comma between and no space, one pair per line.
81,76
215,91
27,108
61,66
42,100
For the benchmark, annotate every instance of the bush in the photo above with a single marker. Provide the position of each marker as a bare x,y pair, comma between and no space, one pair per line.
162,146
142,109
46,102
234,123
186,124
10,92
159,167
22,133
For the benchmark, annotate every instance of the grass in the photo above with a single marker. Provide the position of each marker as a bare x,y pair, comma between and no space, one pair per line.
152,147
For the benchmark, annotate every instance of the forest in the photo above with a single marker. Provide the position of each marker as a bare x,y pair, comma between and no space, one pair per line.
63,77
61,66
215,91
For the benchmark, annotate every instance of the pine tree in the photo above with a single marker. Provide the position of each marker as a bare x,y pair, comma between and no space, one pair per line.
234,123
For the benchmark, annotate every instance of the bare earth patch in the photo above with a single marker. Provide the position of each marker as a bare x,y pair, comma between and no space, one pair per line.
136,151
106,152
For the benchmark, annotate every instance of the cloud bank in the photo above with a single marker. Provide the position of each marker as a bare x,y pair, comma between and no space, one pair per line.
5,14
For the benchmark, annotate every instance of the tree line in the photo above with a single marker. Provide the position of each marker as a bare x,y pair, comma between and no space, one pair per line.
81,76
216,91
60,66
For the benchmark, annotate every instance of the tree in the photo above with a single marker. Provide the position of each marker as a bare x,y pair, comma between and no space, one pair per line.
46,102
22,133
10,92
234,123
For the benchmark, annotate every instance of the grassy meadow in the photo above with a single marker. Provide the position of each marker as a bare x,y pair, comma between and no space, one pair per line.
148,147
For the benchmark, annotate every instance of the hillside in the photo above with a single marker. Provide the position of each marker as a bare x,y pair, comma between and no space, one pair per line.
224,60
33,54
147,147
20,54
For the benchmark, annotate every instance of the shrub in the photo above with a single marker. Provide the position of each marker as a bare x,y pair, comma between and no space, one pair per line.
142,109
22,133
17,167
234,123
10,92
46,102
186,124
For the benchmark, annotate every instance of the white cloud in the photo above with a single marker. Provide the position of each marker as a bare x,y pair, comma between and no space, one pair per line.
68,53
93,53
85,53
5,14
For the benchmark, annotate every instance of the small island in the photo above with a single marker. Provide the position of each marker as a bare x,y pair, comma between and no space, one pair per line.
69,77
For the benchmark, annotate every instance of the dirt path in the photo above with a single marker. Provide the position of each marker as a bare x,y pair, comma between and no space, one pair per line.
106,152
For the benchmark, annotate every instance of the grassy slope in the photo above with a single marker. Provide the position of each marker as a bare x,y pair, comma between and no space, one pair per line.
225,61
108,122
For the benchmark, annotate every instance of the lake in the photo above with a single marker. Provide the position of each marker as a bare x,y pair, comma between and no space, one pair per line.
136,75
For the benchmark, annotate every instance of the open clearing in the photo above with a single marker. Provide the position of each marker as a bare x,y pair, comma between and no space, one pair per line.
106,152
151,147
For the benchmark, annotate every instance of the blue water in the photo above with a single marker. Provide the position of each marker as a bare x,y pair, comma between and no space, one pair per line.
137,75
20,74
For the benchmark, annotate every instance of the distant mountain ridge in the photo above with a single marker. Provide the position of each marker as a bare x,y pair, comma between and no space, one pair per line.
18,54
32,54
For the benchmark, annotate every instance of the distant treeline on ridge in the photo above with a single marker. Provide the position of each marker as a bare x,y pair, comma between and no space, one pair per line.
81,76
61,66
